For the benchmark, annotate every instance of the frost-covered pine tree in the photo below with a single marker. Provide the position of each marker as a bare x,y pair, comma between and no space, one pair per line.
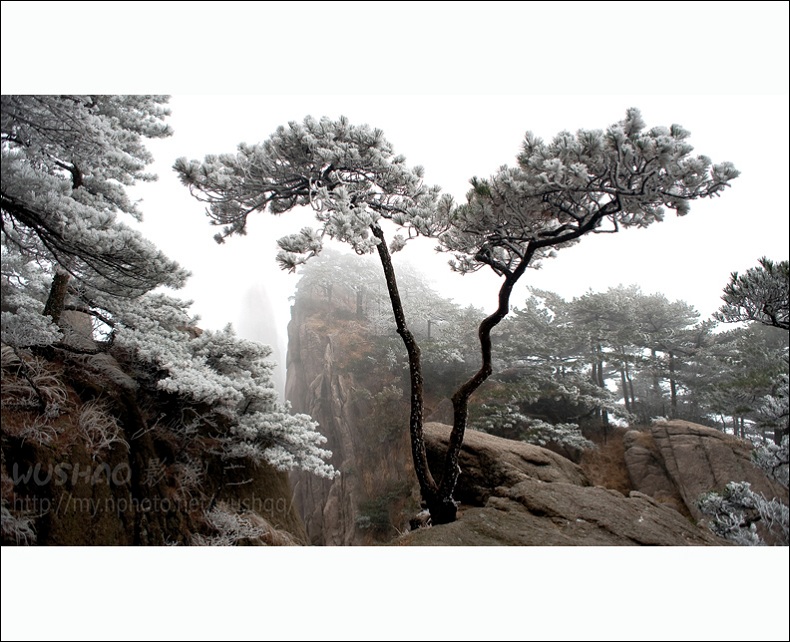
761,294
548,352
774,409
588,182
736,512
354,182
66,163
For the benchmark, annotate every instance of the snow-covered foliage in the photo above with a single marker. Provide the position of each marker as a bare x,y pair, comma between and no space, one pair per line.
24,287
547,347
761,294
226,377
348,174
24,326
735,513
98,427
774,409
18,528
506,419
28,381
653,356
773,459
66,161
229,528
622,177
543,433
741,374
232,376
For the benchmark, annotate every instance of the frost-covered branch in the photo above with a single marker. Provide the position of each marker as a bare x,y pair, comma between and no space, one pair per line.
348,174
563,189
736,513
66,162
762,294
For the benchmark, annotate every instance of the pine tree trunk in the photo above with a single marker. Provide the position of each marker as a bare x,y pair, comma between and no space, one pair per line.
624,384
673,390
602,384
599,357
446,509
596,414
654,361
57,295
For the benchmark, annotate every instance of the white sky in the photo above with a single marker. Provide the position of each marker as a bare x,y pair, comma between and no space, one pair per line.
456,137
457,101
454,86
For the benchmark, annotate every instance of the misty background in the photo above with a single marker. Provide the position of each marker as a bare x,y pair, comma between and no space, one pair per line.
456,137
449,86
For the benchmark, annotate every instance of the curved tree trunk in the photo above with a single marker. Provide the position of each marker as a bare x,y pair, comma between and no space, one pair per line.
447,508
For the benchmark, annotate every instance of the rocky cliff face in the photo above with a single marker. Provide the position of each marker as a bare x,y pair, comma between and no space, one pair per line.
677,462
112,465
375,495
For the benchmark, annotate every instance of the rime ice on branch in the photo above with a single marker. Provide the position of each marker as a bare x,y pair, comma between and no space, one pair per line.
589,182
66,163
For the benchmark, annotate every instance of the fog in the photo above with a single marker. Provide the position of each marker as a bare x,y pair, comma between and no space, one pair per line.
454,89
455,138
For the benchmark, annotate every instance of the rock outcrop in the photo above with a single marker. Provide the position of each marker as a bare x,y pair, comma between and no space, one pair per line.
113,467
677,462
488,462
340,372
528,496
375,494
